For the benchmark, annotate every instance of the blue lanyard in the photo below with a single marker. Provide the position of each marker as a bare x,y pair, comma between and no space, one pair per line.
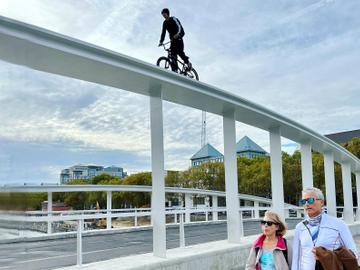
315,235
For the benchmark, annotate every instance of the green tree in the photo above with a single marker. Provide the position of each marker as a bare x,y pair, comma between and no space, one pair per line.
138,199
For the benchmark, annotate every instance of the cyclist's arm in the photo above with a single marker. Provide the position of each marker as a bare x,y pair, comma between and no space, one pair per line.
178,24
163,32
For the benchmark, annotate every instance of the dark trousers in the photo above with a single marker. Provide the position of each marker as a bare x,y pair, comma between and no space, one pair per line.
177,48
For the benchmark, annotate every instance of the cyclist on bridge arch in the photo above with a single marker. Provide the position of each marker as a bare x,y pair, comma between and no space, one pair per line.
176,34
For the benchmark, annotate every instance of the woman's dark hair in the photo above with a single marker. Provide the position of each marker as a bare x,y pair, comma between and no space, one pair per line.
165,10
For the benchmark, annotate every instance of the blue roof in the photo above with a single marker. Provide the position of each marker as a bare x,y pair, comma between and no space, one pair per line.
207,151
247,145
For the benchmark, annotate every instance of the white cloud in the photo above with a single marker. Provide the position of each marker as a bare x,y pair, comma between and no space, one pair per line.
299,58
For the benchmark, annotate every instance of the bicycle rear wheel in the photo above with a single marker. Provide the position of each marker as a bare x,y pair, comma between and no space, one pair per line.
192,74
163,62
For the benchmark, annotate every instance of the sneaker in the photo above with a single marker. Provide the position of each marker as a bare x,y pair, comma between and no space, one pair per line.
189,65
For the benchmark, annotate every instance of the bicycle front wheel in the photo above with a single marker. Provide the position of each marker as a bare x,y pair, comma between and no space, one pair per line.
192,74
163,62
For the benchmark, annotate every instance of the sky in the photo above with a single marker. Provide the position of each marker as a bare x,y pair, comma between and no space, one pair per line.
299,58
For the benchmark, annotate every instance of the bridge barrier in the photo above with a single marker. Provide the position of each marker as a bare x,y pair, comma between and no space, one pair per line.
217,255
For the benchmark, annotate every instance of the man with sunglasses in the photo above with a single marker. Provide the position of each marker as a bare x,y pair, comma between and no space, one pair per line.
318,230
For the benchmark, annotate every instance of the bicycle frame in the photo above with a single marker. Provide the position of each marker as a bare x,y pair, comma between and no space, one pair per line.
183,68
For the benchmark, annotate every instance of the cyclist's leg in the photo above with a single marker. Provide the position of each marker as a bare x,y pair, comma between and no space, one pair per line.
174,54
181,52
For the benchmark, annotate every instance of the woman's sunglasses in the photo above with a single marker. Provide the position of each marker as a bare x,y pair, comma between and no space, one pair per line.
269,223
309,201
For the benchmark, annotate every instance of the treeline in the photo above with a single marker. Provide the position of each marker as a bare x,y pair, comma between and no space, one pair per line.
253,178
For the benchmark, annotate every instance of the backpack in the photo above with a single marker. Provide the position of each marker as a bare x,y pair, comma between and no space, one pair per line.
285,251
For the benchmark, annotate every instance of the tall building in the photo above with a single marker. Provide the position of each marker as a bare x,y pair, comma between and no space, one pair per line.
89,171
207,153
248,148
244,148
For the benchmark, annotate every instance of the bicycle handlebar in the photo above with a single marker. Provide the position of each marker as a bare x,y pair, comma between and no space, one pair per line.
163,44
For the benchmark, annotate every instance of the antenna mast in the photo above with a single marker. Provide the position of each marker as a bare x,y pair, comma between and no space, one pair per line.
203,129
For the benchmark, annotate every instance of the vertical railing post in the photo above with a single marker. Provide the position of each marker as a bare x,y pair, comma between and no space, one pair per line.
348,212
79,241
357,174
158,175
234,224
277,186
135,218
182,231
330,183
108,209
214,207
256,209
188,206
49,208
306,165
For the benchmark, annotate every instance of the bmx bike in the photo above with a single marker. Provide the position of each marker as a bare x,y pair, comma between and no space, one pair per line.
183,69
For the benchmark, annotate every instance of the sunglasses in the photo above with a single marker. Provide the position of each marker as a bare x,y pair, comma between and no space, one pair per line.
309,201
269,223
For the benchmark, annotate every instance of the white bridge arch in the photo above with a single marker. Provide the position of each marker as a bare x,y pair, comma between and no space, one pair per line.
51,52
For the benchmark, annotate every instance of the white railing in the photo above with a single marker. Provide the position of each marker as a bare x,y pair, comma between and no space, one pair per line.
80,216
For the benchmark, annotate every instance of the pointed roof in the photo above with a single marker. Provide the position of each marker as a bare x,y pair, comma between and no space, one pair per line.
207,151
248,145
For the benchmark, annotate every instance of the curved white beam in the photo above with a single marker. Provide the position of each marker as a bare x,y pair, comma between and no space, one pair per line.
129,188
43,50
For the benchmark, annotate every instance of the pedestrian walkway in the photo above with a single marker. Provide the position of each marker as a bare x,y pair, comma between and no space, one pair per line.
175,257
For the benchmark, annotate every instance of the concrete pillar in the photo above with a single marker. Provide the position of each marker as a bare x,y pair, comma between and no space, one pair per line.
108,209
256,209
234,225
188,205
215,206
330,183
49,208
357,174
158,176
277,186
347,192
306,165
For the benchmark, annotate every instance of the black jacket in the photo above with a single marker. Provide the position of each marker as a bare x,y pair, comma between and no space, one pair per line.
173,26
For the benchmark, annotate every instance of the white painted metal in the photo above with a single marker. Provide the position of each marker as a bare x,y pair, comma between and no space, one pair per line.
231,179
136,219
348,213
113,188
79,242
188,204
256,206
306,165
182,230
49,208
39,216
277,187
214,206
108,208
330,183
357,174
158,175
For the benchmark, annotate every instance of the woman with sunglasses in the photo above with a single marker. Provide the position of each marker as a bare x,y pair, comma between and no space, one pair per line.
269,251
318,230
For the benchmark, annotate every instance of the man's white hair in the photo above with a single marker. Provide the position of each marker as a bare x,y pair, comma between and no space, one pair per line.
316,191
